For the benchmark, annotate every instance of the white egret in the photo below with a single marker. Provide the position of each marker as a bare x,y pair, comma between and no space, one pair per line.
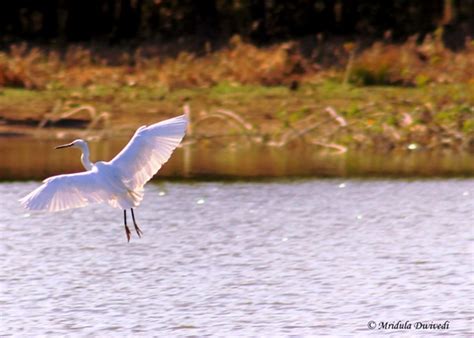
118,182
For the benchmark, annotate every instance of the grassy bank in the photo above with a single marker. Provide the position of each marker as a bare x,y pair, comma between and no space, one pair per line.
382,118
386,97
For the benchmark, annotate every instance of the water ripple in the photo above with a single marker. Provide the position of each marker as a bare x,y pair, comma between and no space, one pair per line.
281,258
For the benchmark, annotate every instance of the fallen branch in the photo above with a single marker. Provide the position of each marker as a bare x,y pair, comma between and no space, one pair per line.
340,148
229,117
94,117
236,117
293,134
338,118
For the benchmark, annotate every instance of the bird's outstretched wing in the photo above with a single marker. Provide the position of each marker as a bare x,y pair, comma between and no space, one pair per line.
67,191
148,150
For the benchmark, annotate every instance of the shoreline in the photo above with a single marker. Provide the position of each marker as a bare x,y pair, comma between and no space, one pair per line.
386,110
203,161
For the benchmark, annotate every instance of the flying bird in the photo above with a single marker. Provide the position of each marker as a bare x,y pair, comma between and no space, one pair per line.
118,182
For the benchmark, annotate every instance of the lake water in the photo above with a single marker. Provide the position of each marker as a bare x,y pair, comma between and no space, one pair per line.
305,257
216,160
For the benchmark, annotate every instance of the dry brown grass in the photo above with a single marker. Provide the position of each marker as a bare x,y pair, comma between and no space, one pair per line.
240,62
24,68
414,64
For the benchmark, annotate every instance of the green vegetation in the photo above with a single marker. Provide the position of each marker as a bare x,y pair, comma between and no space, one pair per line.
393,116
385,97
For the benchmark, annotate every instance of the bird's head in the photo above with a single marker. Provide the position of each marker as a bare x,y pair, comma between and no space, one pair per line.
81,144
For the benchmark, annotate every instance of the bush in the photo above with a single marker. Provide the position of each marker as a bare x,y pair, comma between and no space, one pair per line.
412,64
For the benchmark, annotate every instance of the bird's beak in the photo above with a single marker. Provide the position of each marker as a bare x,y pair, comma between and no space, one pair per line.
64,146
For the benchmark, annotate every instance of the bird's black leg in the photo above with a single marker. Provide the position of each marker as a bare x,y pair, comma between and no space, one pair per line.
127,230
137,229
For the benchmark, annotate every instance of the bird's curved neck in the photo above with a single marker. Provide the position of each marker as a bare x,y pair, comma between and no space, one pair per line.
85,158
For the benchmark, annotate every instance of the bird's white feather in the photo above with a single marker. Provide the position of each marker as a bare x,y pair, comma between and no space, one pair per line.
148,150
118,182
67,191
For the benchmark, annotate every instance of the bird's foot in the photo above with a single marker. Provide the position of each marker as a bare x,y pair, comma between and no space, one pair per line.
138,230
127,233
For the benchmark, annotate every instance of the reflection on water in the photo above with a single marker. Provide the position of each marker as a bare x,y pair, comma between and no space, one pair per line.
25,158
280,258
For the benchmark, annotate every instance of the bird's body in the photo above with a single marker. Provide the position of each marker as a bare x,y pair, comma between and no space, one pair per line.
118,182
